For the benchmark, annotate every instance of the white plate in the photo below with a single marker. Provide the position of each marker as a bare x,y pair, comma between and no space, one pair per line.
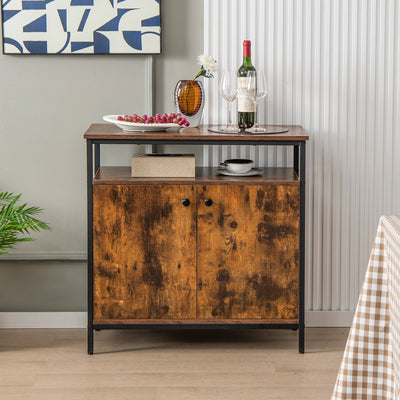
252,172
134,127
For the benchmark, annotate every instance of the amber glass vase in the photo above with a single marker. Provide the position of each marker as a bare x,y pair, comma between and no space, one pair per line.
189,100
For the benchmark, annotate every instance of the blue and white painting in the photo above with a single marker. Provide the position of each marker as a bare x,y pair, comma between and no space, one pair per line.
81,26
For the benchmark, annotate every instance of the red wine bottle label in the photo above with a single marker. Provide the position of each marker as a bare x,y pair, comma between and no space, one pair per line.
246,93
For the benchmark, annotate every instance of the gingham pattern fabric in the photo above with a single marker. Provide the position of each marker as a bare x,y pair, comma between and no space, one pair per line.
370,367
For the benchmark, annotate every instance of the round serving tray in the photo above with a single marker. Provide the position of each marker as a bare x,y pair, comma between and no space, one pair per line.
271,130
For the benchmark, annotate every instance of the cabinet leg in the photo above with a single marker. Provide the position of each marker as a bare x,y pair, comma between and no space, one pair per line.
301,339
302,243
90,340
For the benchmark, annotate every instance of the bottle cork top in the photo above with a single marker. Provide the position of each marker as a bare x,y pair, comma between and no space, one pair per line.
247,48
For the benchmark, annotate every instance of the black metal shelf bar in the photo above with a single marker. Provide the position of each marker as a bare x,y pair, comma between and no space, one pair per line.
195,326
197,142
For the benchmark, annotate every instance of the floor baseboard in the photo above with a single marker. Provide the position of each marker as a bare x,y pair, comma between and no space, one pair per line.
76,320
42,320
329,319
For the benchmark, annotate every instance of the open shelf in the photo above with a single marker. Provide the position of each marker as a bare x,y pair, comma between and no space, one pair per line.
204,176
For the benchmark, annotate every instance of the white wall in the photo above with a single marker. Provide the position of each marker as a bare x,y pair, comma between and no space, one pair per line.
334,67
47,103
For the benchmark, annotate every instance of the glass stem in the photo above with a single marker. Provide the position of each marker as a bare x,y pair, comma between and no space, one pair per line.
255,114
229,114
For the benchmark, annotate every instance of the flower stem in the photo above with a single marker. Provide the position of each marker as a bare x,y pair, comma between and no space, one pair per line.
200,73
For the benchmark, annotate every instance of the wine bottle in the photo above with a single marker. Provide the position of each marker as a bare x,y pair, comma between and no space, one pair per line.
245,105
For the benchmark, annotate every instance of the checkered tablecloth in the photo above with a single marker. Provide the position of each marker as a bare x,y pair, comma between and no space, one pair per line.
370,367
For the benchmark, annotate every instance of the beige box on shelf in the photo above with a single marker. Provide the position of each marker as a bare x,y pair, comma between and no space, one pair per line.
163,166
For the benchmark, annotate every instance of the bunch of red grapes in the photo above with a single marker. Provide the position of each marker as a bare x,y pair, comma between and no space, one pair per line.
170,118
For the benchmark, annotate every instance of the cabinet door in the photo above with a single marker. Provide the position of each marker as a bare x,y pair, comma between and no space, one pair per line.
248,252
144,252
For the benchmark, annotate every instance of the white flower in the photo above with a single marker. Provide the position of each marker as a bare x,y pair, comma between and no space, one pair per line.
208,63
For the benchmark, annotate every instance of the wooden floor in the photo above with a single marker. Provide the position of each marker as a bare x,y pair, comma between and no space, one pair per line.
173,365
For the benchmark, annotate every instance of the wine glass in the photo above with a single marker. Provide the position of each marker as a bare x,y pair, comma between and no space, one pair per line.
228,90
255,91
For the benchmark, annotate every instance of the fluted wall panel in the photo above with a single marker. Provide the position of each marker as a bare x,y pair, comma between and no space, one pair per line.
333,67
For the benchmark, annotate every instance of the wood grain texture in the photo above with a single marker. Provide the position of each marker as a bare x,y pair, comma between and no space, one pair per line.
248,251
144,252
112,132
204,176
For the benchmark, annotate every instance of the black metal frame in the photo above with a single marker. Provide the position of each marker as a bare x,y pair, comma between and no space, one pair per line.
93,164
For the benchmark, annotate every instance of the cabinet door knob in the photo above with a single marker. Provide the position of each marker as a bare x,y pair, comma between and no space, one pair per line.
208,202
186,202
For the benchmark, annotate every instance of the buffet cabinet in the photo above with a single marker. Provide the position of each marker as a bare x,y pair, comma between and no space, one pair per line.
205,252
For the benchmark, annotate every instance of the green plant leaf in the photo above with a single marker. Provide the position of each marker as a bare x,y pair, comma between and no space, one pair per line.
17,221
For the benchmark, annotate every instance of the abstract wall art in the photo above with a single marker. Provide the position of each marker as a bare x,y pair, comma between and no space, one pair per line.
81,26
